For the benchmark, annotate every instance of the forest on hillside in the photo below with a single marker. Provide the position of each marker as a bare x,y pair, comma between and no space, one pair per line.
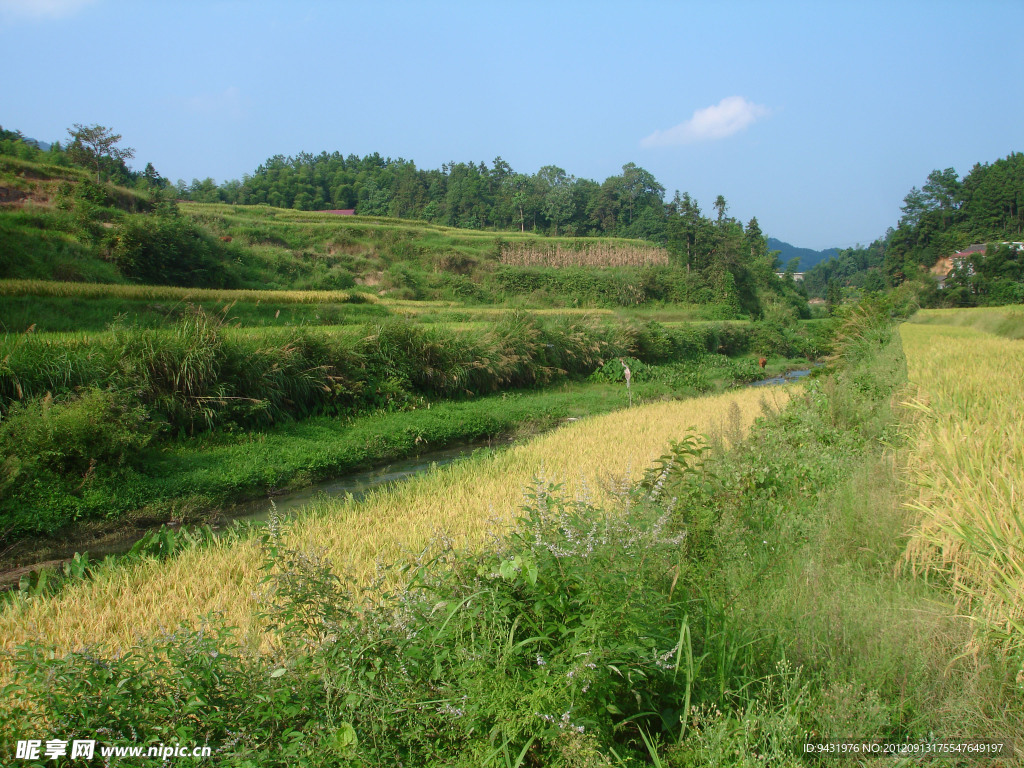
459,194
944,216
710,259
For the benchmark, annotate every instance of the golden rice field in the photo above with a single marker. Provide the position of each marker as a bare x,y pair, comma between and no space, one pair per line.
596,254
168,293
1001,321
418,307
467,500
968,461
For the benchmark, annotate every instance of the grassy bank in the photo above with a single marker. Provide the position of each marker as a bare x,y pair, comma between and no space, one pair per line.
88,419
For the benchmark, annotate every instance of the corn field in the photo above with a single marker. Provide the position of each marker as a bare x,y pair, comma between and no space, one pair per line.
596,254
967,463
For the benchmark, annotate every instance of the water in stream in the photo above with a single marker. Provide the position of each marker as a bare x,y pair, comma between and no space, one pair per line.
785,378
356,483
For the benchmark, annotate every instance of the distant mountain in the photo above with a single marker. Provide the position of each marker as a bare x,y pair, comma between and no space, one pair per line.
808,257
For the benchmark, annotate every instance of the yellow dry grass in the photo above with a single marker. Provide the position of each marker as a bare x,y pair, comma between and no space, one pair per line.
468,500
167,293
968,465
582,254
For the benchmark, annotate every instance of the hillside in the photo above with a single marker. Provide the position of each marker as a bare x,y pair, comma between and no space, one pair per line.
946,215
58,223
808,257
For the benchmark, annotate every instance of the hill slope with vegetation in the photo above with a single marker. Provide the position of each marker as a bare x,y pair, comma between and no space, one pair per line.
945,216
807,257
60,223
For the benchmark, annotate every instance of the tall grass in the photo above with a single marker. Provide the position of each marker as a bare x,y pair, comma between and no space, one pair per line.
968,468
469,500
304,370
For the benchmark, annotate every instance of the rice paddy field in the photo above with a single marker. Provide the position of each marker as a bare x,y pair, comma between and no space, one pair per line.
581,255
58,307
967,459
467,501
134,292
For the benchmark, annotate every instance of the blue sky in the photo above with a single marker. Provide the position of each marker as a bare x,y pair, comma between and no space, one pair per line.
815,117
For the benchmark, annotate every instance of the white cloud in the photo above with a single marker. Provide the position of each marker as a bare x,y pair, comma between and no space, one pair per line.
731,115
39,10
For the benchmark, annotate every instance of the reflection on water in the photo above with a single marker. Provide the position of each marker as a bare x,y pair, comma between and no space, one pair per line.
357,484
783,379
257,510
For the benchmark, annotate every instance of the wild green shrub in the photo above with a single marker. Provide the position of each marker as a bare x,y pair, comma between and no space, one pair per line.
54,451
168,250
95,427
405,281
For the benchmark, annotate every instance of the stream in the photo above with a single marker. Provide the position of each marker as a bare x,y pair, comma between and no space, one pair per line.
258,510
785,378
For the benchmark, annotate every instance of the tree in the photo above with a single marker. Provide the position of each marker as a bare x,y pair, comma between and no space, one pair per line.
755,239
640,189
558,204
943,193
153,178
833,297
720,208
91,144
